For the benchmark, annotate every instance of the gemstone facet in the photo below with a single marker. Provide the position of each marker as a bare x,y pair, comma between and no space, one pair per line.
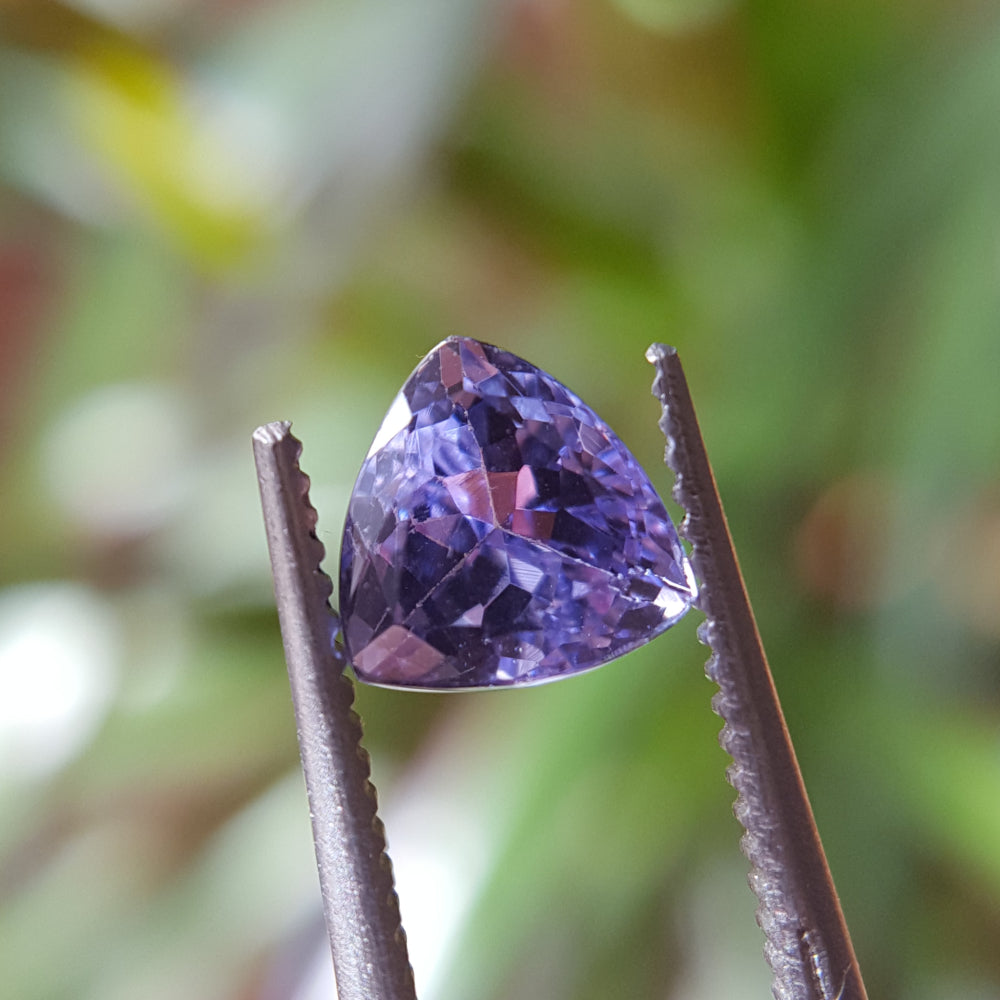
500,533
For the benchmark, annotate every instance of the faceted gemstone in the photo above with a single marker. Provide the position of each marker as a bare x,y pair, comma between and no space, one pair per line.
500,533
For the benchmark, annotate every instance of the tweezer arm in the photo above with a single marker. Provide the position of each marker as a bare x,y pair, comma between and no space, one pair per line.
359,901
807,943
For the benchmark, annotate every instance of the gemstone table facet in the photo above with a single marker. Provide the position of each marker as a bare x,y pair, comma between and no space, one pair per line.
501,534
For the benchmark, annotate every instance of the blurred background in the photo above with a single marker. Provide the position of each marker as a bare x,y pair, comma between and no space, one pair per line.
219,214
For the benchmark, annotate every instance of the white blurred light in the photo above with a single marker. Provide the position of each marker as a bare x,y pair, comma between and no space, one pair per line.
440,847
245,166
721,908
130,15
117,462
58,653
436,879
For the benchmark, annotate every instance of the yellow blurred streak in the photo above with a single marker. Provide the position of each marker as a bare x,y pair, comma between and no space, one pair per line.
134,113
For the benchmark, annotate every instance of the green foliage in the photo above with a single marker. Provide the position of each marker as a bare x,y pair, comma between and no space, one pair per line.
220,215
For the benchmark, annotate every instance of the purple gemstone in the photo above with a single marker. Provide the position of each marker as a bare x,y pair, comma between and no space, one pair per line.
500,533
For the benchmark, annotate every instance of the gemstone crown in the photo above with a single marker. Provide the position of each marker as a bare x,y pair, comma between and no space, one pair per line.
500,533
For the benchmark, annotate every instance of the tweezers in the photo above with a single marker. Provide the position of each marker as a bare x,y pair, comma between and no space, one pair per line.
806,940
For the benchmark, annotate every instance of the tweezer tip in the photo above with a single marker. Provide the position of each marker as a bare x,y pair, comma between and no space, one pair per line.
273,433
659,352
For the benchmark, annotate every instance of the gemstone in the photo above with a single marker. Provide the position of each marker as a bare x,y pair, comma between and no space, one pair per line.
500,533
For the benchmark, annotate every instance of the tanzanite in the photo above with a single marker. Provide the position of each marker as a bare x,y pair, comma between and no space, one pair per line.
500,533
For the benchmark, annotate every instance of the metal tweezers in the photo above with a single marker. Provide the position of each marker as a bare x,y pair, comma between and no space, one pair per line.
806,940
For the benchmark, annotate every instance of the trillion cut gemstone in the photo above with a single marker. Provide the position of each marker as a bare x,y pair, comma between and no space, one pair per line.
500,533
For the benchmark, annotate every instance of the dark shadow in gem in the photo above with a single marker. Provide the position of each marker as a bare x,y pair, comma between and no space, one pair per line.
502,456
575,490
645,590
406,593
474,584
574,537
546,489
639,622
368,600
538,448
454,642
501,614
490,424
427,560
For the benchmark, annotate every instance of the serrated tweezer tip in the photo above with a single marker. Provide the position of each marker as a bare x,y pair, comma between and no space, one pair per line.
806,938
359,901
